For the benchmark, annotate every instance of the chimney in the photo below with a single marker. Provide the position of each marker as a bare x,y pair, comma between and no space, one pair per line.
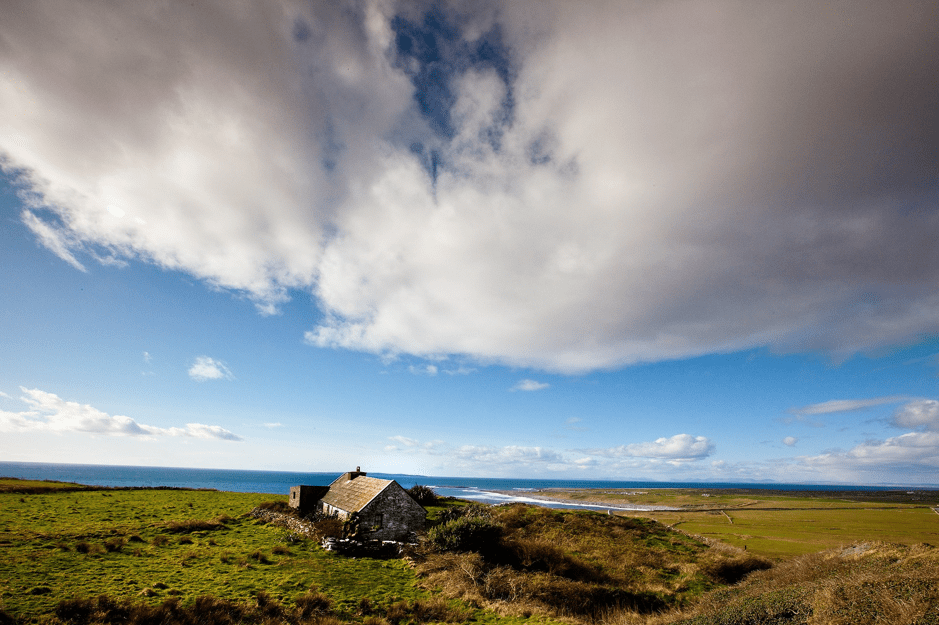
351,475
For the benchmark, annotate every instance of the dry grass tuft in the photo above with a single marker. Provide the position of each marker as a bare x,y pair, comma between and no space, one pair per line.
193,525
310,609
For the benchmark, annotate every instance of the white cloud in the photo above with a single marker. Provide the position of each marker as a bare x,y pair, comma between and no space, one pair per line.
510,455
49,413
429,370
273,425
460,371
205,368
530,385
918,413
911,457
58,241
731,194
414,445
846,405
147,357
790,441
681,447
911,449
2,394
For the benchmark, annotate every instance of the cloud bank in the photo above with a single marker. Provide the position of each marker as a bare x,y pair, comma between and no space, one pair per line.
512,182
677,451
914,455
49,413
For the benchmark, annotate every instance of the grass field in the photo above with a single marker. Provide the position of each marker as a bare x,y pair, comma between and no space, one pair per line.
168,547
150,545
778,524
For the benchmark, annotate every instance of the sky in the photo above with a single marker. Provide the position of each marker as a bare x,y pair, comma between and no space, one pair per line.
652,240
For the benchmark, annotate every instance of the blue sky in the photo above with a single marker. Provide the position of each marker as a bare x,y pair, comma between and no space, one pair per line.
641,241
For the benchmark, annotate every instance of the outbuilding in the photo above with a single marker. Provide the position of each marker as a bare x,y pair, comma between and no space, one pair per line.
373,509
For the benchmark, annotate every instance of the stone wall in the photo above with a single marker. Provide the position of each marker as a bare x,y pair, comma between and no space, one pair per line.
304,528
392,515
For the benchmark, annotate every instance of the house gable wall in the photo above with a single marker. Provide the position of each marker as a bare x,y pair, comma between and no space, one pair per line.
391,515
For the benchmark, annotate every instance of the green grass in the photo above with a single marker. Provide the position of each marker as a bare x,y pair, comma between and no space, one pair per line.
785,533
782,524
42,534
151,545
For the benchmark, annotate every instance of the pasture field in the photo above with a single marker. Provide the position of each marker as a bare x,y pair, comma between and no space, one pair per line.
781,524
152,545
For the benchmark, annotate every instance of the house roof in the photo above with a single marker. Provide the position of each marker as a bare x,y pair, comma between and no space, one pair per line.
354,494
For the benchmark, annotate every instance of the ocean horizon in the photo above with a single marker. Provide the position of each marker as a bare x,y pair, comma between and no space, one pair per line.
484,490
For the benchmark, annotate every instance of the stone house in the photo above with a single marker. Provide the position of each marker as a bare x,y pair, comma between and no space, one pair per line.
373,509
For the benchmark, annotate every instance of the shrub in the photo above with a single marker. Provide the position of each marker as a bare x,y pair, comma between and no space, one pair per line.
472,511
466,534
423,495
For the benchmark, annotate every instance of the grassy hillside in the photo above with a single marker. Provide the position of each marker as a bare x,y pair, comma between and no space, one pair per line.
860,585
575,564
150,546
177,556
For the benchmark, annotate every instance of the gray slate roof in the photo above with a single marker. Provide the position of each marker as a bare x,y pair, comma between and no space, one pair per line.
353,495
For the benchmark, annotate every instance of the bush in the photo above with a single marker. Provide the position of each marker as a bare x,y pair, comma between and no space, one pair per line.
466,534
472,511
423,495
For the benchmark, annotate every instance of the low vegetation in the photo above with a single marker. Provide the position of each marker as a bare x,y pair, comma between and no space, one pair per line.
783,524
864,584
525,560
146,556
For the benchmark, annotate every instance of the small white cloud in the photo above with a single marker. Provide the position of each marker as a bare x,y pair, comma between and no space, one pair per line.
199,430
530,385
147,357
681,447
2,394
509,455
430,370
460,371
918,413
49,413
205,368
273,425
413,445
790,441
846,405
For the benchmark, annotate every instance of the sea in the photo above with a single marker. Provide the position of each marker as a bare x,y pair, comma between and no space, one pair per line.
484,490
